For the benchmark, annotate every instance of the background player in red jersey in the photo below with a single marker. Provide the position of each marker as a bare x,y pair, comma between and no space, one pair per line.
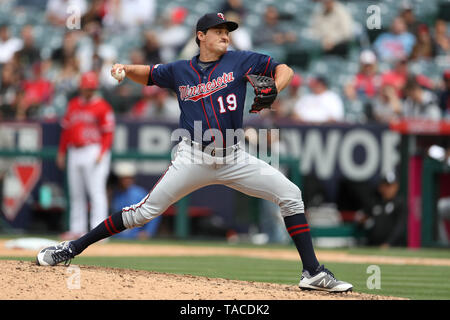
86,138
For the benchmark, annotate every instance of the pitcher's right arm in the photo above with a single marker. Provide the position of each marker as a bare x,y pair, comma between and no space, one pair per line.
135,72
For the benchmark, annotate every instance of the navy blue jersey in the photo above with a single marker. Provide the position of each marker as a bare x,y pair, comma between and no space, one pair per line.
216,95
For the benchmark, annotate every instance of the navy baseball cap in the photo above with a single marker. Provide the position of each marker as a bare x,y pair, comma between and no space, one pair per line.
211,20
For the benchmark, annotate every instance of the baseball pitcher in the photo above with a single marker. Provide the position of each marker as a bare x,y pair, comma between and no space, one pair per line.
211,89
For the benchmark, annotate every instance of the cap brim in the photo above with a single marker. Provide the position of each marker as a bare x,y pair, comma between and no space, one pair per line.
231,26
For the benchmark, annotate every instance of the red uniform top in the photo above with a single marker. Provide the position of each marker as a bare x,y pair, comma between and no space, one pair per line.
367,84
87,123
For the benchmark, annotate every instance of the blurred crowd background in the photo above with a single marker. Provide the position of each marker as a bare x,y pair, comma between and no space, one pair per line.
374,60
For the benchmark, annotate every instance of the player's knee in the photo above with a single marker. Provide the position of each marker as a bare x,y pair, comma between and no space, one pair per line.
291,207
292,202
293,193
137,217
137,221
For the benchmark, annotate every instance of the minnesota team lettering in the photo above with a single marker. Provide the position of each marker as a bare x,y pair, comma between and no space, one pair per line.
204,90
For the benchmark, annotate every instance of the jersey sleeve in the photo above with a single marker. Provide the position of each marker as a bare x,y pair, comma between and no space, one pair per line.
257,63
161,75
106,119
65,120
107,124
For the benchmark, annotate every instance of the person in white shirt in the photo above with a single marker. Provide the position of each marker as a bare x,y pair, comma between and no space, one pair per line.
8,45
332,25
241,38
173,35
321,105
61,12
420,103
129,15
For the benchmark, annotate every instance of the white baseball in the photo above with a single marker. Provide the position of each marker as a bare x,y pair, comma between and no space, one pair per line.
119,75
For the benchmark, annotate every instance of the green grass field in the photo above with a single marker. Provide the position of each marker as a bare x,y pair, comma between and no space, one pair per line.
409,281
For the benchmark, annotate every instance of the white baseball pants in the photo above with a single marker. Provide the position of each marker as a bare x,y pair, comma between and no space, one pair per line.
192,169
86,178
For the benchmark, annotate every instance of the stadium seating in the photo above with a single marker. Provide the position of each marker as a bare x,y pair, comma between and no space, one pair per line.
305,56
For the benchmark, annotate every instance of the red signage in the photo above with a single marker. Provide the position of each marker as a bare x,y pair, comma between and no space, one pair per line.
22,173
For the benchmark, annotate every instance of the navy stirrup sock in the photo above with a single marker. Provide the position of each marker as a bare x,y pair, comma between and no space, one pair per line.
298,229
110,226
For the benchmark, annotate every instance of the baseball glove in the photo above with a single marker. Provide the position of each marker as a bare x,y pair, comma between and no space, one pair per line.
265,92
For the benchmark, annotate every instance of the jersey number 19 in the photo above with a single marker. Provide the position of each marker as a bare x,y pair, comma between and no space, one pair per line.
231,103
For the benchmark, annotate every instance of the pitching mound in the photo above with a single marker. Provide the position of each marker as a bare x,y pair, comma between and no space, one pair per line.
26,280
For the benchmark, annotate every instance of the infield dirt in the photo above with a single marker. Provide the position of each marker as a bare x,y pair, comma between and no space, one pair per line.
26,280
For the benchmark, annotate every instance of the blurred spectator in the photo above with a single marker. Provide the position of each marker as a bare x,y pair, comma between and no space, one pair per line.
67,50
425,46
156,104
233,6
95,12
136,57
190,49
37,91
67,79
441,37
92,51
127,193
124,95
444,101
387,106
396,44
332,25
289,98
29,54
420,103
9,91
151,47
129,14
8,45
35,4
321,105
397,77
96,55
240,39
367,81
408,15
174,34
271,32
58,12
385,219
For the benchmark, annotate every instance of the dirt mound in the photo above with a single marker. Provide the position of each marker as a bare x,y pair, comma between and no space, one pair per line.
25,280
